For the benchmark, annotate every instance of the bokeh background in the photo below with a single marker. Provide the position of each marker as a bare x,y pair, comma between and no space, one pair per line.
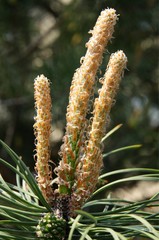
49,36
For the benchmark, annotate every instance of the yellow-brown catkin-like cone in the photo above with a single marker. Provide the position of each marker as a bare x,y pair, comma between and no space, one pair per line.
42,130
88,170
80,92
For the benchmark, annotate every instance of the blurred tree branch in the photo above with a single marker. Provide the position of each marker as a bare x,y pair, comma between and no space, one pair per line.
34,45
50,6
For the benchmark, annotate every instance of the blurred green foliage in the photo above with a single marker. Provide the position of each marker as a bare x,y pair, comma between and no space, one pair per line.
49,36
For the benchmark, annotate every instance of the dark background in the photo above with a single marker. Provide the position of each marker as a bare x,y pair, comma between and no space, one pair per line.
46,36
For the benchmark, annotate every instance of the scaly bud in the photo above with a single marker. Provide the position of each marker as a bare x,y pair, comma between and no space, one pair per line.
88,169
80,92
42,130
